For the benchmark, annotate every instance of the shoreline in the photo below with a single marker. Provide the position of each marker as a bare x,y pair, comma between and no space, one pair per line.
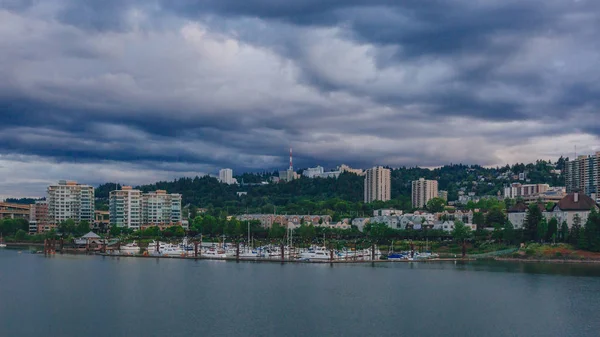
549,261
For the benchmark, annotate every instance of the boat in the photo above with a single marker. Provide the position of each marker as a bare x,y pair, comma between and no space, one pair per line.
397,257
130,248
318,253
2,244
214,252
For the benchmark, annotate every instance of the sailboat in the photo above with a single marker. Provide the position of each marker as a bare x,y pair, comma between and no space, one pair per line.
2,244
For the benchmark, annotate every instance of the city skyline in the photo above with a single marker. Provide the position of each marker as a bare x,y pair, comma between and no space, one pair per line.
216,175
143,91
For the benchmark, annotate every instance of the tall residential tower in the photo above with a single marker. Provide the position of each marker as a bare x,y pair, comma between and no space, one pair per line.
423,191
377,184
70,200
583,175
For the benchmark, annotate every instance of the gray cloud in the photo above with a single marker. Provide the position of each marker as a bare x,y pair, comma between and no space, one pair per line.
182,87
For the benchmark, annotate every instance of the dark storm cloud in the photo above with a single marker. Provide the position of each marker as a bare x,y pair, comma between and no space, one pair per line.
172,85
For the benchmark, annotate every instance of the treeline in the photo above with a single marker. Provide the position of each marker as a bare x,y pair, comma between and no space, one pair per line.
341,197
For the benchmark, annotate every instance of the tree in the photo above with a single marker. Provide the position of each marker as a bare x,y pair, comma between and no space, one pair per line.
592,232
575,230
82,228
509,233
542,229
494,217
307,232
460,232
67,227
564,232
20,235
479,220
436,205
277,231
532,221
552,229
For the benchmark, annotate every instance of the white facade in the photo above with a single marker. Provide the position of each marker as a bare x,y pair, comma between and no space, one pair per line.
226,176
423,191
70,200
377,184
125,207
311,172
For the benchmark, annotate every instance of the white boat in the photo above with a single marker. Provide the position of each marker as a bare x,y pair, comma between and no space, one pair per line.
173,250
2,244
214,252
318,253
130,248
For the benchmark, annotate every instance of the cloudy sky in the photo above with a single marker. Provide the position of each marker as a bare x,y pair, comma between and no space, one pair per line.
137,91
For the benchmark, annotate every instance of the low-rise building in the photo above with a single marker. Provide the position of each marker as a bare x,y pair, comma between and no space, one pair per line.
14,211
568,208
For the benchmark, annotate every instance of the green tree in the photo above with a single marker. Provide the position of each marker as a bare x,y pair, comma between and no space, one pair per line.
592,231
575,233
436,205
21,235
460,232
479,220
115,230
564,232
307,232
509,233
552,229
83,227
542,229
277,231
532,221
67,227
494,217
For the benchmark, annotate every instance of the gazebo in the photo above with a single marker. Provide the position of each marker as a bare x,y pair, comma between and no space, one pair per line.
90,236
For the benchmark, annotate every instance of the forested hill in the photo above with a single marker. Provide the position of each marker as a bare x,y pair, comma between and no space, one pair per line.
208,192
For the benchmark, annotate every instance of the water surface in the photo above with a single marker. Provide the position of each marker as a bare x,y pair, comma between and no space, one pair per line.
67,295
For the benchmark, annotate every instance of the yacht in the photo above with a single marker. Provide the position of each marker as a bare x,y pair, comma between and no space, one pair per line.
130,248
214,252
173,250
317,254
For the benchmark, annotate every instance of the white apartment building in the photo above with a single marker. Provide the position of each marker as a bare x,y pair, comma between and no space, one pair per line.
125,208
423,191
226,176
160,208
313,172
70,200
377,184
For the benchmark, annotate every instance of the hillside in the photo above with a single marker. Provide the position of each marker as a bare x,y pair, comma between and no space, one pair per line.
345,194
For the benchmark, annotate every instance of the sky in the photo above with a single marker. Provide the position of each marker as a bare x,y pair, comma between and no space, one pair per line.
137,91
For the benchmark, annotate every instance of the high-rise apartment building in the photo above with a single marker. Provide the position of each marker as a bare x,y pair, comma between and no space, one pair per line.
125,207
226,176
160,208
423,191
70,200
133,209
583,175
377,184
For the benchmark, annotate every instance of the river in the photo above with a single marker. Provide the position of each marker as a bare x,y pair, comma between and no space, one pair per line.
68,295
